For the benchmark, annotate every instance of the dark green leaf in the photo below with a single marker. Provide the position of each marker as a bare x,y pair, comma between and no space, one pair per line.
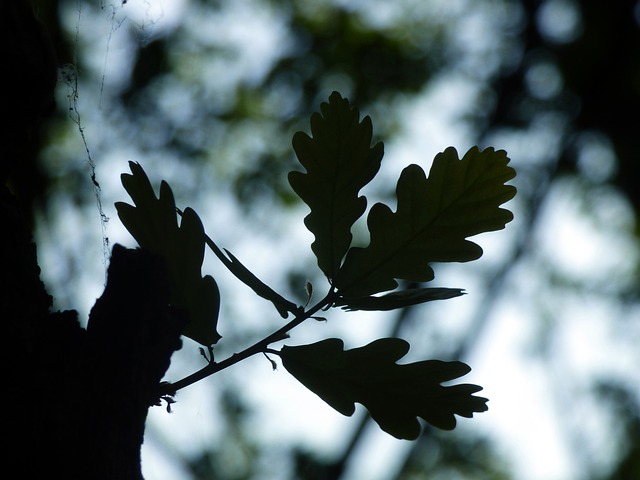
339,161
153,223
395,395
242,273
283,305
400,299
204,303
434,216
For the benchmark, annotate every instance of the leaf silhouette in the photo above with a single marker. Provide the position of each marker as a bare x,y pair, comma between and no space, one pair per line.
434,216
242,273
153,223
399,299
395,395
339,161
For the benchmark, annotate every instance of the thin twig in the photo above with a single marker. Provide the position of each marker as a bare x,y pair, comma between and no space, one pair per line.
258,347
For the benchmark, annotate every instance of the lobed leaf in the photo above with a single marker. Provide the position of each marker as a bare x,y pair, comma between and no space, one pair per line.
153,223
433,219
339,161
395,395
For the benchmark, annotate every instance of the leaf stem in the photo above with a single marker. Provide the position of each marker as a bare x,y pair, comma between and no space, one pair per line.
258,347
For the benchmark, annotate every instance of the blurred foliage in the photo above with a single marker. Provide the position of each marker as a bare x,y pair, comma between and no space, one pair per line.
233,459
557,84
457,456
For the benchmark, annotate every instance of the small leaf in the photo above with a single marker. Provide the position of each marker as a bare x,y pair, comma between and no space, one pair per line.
395,395
434,216
283,306
153,223
400,299
339,161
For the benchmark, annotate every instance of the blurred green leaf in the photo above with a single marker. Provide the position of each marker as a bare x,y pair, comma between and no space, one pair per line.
434,216
339,161
395,395
399,299
153,223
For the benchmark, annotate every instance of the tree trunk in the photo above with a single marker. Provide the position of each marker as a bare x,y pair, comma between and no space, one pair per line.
76,400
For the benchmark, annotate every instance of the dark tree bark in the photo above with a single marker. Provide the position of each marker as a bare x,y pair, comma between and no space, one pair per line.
76,400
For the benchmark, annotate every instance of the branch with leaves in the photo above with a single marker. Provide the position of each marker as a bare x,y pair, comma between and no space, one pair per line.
434,217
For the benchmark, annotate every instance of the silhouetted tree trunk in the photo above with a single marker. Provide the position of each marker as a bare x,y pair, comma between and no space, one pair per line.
75,400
